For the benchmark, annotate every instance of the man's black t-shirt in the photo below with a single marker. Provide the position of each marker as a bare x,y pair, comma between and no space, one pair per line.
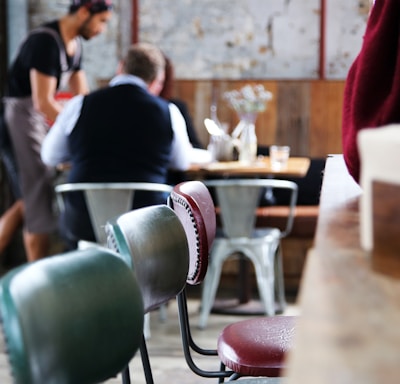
40,51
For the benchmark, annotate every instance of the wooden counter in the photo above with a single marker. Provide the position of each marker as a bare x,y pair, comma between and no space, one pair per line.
349,328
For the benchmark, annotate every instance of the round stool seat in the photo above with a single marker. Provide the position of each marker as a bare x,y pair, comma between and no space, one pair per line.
257,347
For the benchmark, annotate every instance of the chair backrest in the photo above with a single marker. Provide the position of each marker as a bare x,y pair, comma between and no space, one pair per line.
154,241
107,200
72,318
238,200
194,206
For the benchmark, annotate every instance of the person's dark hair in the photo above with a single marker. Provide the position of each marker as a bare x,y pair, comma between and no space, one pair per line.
93,6
144,60
167,90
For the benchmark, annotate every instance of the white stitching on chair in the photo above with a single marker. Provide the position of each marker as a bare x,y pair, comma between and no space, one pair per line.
183,203
111,241
9,354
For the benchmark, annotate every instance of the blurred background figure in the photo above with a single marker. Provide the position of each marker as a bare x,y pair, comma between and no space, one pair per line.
164,88
48,59
166,92
120,133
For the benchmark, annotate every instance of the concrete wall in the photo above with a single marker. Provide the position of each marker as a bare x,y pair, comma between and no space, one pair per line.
345,26
264,39
17,15
235,38
222,39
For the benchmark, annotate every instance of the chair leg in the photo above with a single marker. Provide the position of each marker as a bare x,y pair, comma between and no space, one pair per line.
264,267
210,283
222,368
146,326
146,362
279,280
163,312
126,378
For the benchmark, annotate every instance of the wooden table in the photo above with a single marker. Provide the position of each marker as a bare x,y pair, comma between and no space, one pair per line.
297,167
348,331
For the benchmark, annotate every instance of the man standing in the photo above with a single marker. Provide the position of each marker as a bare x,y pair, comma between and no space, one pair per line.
49,59
121,133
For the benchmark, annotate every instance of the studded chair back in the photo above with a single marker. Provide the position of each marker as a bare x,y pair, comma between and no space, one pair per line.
254,347
193,204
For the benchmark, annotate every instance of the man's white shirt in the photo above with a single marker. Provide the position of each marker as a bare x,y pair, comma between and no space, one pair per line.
55,149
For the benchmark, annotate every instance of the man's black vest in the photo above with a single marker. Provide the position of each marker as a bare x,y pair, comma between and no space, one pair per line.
122,134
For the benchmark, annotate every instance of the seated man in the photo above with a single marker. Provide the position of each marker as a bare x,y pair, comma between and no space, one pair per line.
121,133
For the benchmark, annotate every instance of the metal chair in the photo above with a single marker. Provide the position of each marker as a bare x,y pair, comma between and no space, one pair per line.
254,347
72,318
106,201
153,242
238,200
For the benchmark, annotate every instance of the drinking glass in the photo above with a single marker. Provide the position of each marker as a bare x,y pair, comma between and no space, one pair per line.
279,155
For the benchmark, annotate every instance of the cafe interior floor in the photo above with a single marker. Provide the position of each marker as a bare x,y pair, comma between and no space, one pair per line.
165,348
167,360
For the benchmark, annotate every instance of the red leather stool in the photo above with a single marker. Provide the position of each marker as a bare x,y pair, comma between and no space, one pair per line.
254,347
257,347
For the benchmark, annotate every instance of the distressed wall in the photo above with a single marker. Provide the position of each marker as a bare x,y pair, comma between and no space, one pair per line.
214,44
267,39
228,39
345,26
234,38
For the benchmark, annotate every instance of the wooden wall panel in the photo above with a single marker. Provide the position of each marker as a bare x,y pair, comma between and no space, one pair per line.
326,117
304,114
293,116
199,95
267,121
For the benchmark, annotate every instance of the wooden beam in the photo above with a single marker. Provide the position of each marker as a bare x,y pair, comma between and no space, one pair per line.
322,41
135,21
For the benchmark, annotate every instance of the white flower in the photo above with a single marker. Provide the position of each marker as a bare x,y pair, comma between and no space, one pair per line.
249,99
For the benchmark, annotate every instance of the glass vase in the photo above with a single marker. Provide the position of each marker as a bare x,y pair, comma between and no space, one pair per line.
245,131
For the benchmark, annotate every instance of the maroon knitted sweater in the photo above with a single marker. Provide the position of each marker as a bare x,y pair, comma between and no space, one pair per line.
372,92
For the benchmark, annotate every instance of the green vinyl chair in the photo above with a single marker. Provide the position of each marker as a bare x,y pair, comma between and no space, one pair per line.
153,243
74,318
